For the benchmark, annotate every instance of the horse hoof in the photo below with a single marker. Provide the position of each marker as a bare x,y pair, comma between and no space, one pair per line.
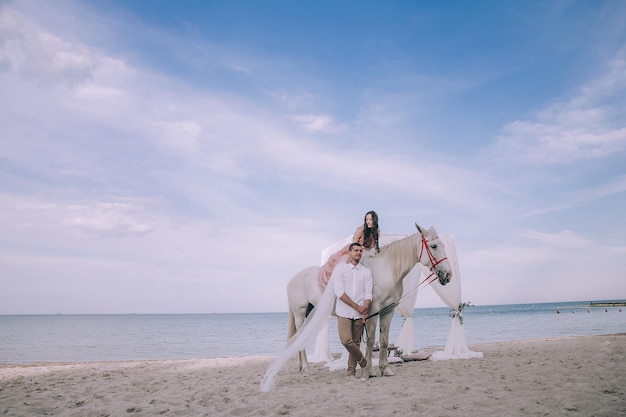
388,372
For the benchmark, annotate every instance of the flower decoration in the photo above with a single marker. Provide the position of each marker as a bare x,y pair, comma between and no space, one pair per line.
458,312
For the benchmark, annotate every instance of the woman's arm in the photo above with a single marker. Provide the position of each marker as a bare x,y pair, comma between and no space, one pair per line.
359,235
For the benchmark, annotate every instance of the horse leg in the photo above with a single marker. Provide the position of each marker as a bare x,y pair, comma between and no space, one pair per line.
303,362
383,363
370,327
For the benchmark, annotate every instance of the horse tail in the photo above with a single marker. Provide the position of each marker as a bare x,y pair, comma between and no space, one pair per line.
292,325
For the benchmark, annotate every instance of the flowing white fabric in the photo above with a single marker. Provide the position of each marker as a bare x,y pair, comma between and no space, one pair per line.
321,352
326,252
317,319
456,345
342,361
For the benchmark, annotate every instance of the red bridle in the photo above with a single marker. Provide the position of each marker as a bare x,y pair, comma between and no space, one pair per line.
433,262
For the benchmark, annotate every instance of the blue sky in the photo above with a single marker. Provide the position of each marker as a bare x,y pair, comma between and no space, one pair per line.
190,157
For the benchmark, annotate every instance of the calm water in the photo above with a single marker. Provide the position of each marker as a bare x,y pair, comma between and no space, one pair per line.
72,338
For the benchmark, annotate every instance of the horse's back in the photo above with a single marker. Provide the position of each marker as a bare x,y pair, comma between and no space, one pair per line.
303,289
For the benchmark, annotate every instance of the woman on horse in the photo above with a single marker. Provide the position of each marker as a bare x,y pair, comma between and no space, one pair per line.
366,234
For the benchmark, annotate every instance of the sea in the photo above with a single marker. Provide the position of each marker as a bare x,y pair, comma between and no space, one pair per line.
122,337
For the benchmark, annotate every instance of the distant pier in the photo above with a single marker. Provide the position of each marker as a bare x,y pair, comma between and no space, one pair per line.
608,304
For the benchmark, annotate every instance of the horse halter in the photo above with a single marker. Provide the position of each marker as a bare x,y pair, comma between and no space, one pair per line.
433,261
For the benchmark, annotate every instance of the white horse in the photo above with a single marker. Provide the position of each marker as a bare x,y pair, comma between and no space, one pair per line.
389,267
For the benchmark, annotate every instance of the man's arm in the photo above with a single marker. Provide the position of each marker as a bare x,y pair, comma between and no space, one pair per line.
369,287
335,278
346,299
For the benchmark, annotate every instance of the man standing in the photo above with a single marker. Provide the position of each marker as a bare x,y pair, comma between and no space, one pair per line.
353,289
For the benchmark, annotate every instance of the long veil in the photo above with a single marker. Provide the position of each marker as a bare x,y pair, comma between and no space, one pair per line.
316,320
456,345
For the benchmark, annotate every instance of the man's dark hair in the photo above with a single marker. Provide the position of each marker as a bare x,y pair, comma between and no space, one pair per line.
353,245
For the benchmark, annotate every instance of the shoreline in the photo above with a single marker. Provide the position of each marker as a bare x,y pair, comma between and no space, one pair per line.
242,360
565,376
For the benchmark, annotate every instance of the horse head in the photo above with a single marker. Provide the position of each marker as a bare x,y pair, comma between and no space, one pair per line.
433,255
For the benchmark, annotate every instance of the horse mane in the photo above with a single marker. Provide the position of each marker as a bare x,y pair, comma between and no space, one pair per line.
401,254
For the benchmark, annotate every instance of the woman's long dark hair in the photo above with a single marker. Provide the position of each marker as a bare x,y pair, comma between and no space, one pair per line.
372,234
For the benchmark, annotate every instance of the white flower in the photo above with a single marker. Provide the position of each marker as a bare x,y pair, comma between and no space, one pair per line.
458,312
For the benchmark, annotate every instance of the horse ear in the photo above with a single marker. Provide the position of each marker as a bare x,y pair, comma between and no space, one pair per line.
419,229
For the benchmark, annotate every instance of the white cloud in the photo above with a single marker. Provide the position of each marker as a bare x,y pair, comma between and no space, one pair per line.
103,219
120,174
591,125
564,239
95,219
180,135
41,56
582,196
319,123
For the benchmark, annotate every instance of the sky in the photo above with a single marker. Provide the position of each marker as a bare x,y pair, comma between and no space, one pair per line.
192,156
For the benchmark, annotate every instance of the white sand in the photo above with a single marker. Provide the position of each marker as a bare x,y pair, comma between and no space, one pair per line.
580,376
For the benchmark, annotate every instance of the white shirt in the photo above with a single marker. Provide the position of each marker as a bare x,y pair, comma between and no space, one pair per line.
356,282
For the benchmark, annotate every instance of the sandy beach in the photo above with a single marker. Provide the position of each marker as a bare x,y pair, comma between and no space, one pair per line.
577,376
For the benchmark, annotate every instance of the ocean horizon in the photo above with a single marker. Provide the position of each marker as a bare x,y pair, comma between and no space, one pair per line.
118,337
